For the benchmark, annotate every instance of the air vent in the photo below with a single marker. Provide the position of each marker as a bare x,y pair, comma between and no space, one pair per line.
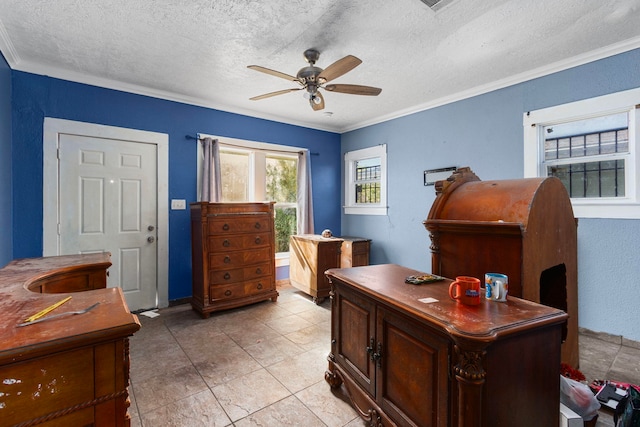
437,4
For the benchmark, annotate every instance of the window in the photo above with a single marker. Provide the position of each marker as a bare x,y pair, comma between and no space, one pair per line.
257,171
282,187
591,147
366,181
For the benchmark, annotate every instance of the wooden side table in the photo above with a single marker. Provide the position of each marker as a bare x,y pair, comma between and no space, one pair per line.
311,255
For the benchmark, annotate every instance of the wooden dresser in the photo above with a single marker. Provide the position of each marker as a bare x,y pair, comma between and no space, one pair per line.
408,355
310,255
233,255
68,371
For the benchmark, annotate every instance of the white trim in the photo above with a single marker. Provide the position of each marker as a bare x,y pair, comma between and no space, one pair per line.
350,205
51,129
534,122
282,259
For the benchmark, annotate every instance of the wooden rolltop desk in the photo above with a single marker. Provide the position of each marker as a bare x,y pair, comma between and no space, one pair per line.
523,228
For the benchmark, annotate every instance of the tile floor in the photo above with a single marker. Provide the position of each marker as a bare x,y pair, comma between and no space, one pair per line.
263,365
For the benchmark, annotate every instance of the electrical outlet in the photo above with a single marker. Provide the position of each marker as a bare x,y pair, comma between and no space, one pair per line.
178,204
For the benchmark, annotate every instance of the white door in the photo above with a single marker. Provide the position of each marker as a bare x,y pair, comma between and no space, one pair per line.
109,198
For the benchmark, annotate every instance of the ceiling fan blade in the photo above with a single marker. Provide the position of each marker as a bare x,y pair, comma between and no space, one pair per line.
318,106
270,94
354,89
340,67
273,72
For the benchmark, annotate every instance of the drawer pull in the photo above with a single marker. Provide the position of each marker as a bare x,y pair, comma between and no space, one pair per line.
371,348
227,293
227,259
259,286
227,276
258,240
258,226
258,270
225,227
226,243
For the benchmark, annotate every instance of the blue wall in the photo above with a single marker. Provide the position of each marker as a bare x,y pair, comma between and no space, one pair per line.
6,241
36,97
486,133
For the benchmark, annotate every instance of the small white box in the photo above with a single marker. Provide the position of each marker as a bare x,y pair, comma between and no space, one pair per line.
568,418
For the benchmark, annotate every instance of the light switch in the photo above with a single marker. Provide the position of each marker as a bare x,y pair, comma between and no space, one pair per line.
178,204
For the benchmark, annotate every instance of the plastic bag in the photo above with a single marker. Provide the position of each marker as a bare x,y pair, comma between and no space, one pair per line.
579,398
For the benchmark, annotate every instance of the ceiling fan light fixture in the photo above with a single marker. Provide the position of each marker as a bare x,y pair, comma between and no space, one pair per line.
312,78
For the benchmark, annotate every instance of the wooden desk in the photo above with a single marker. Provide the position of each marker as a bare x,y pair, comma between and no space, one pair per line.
411,363
69,371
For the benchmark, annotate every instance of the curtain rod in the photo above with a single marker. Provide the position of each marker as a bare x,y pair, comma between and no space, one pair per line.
195,138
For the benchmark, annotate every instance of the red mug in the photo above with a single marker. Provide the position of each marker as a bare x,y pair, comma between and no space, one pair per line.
465,290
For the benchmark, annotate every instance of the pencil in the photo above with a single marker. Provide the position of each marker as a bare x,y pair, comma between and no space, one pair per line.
46,310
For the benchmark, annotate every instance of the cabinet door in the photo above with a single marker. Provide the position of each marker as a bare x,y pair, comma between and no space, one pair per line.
354,329
412,376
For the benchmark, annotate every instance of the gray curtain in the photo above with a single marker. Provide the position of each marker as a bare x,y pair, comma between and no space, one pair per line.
211,187
305,203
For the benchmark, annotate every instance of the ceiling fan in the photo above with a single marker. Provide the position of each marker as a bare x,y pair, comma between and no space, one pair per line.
312,78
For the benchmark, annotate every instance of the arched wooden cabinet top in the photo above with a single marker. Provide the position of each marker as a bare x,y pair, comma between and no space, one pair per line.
524,228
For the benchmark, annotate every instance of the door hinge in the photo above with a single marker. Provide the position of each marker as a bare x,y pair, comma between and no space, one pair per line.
58,227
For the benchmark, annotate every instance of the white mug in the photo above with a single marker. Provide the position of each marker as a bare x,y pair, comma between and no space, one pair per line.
496,286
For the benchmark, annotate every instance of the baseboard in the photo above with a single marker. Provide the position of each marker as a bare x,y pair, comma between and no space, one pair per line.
179,301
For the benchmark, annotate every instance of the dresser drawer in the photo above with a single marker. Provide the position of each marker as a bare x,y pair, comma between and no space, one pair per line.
235,259
239,224
243,241
239,290
233,275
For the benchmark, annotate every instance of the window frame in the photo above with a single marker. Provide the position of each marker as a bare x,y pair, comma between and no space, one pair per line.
534,122
350,160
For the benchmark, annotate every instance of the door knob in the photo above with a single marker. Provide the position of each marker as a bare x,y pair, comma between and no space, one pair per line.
151,239
151,228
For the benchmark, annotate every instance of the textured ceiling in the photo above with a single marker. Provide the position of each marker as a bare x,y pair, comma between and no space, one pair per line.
197,51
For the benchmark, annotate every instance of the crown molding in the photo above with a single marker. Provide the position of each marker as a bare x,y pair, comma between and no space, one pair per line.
7,49
565,64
